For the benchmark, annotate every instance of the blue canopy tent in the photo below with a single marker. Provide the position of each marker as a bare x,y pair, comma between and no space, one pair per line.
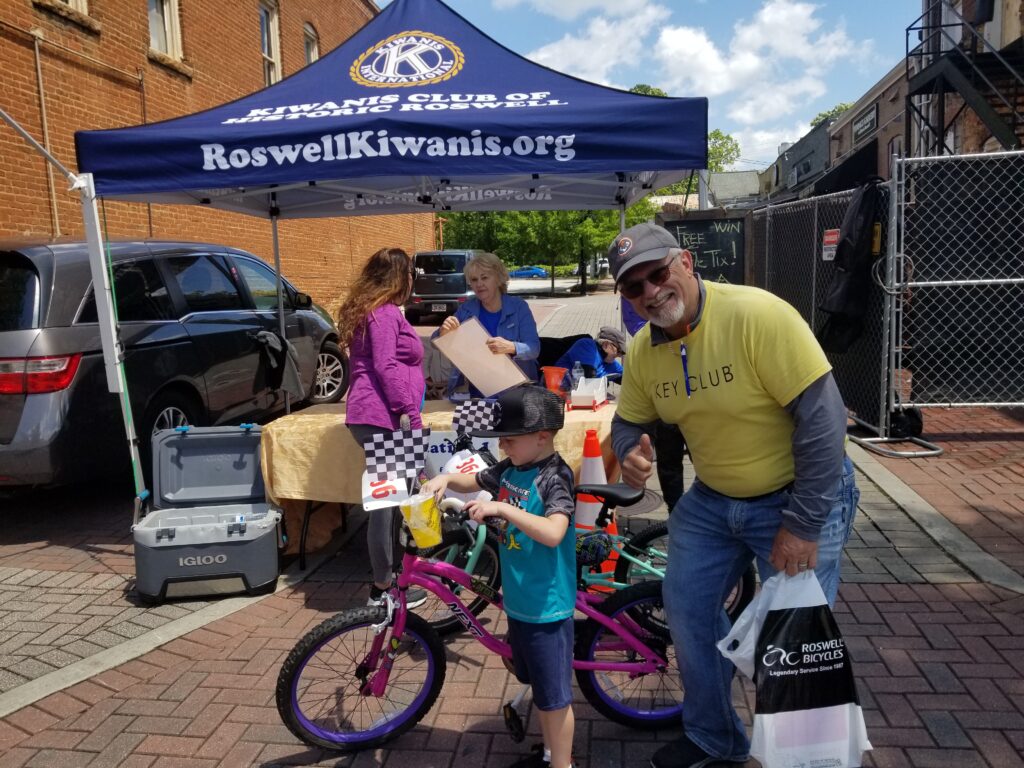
417,112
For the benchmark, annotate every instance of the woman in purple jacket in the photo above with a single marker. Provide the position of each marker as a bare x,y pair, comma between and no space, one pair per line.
386,360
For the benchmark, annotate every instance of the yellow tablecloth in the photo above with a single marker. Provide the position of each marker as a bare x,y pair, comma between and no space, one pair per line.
311,455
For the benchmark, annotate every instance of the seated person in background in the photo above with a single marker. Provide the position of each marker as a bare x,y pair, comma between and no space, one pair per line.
507,318
599,356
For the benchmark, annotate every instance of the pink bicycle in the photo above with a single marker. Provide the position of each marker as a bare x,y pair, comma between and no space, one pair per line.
367,675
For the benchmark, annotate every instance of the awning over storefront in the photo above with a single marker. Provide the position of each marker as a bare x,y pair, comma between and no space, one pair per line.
855,169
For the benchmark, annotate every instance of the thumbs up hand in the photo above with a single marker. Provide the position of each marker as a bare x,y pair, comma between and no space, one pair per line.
637,466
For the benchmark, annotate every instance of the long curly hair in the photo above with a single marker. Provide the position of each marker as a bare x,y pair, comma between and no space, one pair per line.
385,279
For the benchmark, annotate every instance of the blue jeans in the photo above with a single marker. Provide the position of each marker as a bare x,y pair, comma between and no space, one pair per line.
712,540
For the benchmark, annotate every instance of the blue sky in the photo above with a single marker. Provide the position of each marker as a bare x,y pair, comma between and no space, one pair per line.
767,66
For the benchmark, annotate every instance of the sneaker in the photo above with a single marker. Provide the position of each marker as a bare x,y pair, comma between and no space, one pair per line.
414,597
683,753
533,760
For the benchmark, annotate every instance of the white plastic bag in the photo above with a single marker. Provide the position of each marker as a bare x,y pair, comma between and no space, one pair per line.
788,643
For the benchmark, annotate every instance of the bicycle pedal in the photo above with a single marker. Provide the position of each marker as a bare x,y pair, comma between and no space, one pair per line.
514,723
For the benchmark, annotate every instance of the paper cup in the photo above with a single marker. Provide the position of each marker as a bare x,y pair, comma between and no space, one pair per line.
423,518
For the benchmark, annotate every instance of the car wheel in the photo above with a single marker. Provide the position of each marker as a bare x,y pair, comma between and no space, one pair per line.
168,410
331,381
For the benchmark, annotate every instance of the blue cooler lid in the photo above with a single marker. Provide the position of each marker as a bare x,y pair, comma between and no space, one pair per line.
203,466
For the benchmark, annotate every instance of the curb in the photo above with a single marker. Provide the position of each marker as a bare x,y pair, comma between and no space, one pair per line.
951,539
80,671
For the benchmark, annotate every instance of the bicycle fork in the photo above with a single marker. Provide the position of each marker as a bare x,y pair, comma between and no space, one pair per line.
375,668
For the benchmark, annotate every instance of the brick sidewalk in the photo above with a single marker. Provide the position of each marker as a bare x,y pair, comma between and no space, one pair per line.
940,656
978,482
66,579
940,669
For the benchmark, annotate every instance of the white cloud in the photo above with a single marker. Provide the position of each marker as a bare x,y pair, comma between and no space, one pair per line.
571,9
763,144
785,28
756,106
603,45
773,65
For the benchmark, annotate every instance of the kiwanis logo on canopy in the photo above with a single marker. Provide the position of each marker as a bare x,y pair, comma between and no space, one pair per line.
408,59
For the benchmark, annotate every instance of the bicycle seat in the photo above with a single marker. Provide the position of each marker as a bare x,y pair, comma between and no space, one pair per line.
614,495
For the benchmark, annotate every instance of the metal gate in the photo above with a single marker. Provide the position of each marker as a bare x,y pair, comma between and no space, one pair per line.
788,259
946,327
958,280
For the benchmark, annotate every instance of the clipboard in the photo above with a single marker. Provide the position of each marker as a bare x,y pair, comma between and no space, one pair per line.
466,348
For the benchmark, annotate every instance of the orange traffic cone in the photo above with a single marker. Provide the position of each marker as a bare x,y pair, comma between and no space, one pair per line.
588,507
591,473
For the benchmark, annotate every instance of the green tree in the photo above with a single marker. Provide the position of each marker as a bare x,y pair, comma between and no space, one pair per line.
543,238
836,111
723,151
647,90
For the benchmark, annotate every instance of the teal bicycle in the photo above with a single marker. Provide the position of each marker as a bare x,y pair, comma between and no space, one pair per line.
638,557
642,556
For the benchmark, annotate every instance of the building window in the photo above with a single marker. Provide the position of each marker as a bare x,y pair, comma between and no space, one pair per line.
270,42
164,30
312,43
82,6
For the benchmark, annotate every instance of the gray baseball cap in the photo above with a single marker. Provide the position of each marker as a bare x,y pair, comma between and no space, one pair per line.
615,336
638,245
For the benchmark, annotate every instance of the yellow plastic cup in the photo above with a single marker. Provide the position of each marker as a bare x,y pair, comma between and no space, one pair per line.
423,517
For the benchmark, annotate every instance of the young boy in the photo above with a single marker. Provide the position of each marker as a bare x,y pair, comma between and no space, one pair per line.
534,491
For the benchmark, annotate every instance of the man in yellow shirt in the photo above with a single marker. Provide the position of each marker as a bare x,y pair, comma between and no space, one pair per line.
742,375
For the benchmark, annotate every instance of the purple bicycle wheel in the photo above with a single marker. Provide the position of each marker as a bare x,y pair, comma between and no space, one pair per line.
650,701
320,686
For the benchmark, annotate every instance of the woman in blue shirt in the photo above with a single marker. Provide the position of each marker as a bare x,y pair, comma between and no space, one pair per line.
507,318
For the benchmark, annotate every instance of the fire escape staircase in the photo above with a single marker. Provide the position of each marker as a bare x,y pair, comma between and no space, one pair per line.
950,55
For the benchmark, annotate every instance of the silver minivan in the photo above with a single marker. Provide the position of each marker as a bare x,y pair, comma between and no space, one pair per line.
440,285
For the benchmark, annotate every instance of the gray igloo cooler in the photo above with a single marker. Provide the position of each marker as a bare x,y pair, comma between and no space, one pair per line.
211,530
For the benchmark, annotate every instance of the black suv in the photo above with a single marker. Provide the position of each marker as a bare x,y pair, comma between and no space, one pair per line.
189,315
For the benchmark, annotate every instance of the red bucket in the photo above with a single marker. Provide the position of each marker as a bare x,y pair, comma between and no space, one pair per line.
553,378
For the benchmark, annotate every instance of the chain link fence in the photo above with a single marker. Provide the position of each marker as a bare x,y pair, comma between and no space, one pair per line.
958,273
787,259
945,326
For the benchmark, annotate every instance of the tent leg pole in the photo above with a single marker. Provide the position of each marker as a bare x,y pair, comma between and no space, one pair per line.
113,359
622,228
280,286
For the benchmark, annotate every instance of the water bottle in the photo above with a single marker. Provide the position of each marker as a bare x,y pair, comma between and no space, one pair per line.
577,374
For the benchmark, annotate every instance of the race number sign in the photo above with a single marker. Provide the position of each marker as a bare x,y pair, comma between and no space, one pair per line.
387,492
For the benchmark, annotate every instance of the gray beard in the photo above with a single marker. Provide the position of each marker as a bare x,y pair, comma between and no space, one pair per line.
669,316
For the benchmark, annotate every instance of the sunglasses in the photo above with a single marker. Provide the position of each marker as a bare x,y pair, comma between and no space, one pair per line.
634,289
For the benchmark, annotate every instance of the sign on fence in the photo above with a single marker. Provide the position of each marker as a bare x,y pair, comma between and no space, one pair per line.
829,242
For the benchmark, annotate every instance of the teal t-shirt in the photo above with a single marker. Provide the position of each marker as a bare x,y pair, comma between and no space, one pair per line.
538,583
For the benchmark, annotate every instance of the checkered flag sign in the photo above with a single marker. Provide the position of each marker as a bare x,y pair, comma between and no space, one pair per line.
400,453
475,414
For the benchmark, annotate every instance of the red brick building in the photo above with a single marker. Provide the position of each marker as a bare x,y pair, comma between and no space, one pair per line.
73,64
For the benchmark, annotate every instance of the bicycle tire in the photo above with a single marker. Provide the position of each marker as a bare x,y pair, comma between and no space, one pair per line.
741,594
318,696
651,543
488,569
645,545
659,697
